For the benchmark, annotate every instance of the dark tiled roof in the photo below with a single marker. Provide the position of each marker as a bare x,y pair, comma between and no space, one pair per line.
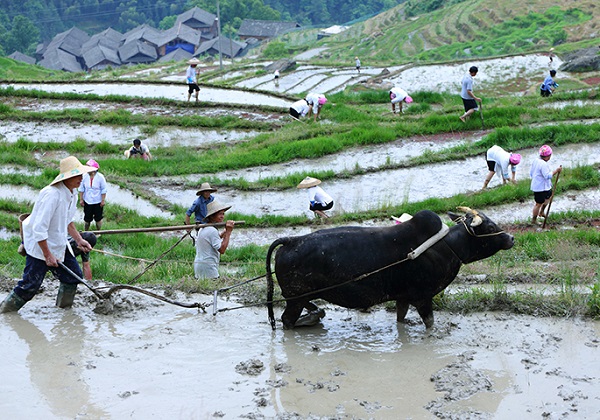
57,59
181,32
137,51
265,28
107,38
176,55
144,33
69,41
19,56
228,47
196,18
101,55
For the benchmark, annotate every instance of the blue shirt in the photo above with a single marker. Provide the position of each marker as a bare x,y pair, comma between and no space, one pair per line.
199,208
548,84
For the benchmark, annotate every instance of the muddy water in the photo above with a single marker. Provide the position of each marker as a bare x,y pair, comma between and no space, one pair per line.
393,187
115,195
152,360
160,91
164,137
447,77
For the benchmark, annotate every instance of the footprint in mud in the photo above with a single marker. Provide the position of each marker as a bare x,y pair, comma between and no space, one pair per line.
252,367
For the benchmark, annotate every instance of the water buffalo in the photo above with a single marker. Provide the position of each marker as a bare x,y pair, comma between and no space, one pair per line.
336,264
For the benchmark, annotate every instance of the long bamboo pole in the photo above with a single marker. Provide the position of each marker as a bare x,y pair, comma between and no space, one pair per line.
161,228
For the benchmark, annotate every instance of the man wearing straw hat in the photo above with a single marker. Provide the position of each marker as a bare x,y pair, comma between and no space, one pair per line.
199,205
210,244
319,199
45,237
190,77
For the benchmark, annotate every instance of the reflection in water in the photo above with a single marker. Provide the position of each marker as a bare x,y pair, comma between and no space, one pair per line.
55,362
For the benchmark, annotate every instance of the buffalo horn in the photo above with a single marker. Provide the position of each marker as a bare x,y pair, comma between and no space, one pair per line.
476,218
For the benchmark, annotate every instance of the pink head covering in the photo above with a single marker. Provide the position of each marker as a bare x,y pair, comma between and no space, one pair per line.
515,158
408,99
93,164
322,100
545,150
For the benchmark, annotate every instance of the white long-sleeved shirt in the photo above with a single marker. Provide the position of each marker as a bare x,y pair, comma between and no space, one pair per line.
313,100
541,175
317,195
301,107
190,75
399,93
52,212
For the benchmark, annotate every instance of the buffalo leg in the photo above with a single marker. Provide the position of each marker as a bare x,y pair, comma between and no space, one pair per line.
425,309
312,317
291,314
401,310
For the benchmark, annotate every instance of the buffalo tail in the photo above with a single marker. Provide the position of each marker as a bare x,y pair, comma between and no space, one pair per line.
270,285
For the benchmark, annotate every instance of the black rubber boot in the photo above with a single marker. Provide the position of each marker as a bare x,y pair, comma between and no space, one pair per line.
12,303
66,295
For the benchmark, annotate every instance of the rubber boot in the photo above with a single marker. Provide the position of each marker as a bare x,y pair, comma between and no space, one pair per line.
12,303
66,295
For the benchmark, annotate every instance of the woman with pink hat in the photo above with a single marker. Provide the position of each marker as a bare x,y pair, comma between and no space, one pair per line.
398,96
541,182
498,161
315,101
92,196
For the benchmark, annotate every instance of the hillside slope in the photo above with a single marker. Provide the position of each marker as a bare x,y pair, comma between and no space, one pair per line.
474,28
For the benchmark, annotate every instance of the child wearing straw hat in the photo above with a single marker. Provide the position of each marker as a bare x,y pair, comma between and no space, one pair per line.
45,233
319,200
198,207
210,244
191,78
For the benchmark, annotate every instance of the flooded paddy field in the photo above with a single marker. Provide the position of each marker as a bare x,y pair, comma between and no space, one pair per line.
146,359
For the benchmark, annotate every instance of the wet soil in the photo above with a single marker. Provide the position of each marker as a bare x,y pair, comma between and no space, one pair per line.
149,359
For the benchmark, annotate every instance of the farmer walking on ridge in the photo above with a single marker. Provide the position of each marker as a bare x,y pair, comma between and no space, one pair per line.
191,78
45,238
498,161
541,182
467,95
357,62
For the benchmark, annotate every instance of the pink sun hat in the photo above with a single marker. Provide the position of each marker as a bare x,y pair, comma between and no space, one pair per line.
545,150
93,164
408,99
514,159
322,100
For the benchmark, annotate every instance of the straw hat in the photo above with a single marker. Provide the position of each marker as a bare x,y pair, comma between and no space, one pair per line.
309,182
194,61
215,207
206,187
71,167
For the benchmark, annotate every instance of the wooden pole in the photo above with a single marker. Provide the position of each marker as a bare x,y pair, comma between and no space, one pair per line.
162,228
550,202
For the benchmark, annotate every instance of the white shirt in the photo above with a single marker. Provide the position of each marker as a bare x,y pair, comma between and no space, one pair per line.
190,75
317,195
502,159
400,94
301,107
52,212
541,176
313,100
92,192
206,263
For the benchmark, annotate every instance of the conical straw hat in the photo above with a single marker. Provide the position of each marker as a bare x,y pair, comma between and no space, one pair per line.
309,182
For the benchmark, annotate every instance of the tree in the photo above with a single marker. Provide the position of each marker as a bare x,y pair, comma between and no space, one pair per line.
23,36
167,23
